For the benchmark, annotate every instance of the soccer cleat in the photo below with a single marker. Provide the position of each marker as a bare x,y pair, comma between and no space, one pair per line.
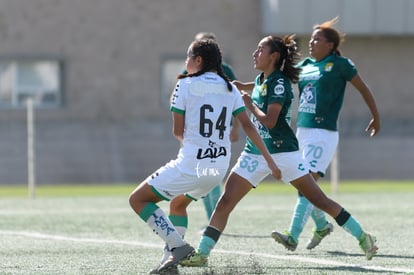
285,239
177,254
318,235
368,246
166,254
197,259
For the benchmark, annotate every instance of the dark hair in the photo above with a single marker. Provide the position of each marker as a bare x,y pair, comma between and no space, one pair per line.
210,52
289,55
331,34
205,35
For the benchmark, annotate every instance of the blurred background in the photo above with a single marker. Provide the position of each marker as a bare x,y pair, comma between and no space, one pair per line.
100,73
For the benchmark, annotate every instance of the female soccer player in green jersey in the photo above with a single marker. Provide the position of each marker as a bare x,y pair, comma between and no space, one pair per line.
269,104
202,104
321,90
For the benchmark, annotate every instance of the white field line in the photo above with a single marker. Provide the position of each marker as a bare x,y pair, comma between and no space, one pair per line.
38,235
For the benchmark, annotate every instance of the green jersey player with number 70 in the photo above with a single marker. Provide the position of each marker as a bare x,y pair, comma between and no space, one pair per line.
321,85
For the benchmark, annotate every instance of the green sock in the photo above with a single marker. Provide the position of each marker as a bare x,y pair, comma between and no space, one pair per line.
300,216
208,240
350,224
180,223
206,245
211,199
319,218
353,227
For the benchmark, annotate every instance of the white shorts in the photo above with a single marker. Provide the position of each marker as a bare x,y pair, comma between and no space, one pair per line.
318,147
169,181
254,168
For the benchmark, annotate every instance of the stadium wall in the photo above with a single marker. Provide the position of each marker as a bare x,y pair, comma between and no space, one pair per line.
113,126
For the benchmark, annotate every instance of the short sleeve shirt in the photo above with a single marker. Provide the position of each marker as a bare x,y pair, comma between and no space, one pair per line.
276,88
321,90
208,107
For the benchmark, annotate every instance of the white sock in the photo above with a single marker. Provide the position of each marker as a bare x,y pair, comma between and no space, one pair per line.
163,227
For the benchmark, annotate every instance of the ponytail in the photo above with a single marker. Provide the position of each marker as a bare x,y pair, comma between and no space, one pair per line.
291,57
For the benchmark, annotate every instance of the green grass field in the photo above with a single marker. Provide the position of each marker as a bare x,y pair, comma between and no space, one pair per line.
90,229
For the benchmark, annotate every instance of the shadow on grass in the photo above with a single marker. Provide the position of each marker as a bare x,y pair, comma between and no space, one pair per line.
252,266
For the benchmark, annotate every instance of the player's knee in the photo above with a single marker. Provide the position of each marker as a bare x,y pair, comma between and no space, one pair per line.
133,201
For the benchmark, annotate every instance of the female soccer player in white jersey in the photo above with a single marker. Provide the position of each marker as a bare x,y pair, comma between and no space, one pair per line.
322,84
269,104
202,105
211,199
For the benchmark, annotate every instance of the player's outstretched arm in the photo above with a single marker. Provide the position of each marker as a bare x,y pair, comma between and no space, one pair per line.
243,86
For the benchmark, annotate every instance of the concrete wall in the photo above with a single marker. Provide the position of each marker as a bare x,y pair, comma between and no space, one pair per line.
365,18
113,127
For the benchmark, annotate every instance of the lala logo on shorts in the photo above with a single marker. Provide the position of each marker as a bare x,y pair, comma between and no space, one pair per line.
212,152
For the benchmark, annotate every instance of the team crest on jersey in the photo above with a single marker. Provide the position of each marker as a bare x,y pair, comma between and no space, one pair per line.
329,66
263,89
279,89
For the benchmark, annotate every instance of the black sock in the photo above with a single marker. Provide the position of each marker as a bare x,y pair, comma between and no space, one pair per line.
343,217
212,233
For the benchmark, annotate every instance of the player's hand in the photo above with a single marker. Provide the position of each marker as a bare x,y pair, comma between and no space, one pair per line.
243,85
238,84
248,102
276,173
373,127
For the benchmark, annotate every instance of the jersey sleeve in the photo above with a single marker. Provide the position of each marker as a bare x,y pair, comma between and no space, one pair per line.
348,69
239,103
278,89
177,104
